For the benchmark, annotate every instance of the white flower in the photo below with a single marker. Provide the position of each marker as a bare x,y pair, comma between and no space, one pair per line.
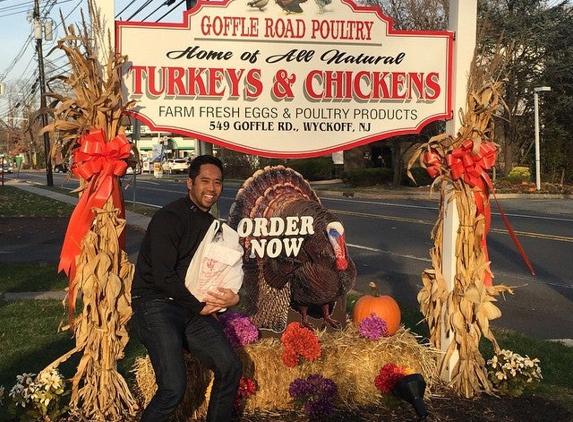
50,379
23,390
511,373
38,392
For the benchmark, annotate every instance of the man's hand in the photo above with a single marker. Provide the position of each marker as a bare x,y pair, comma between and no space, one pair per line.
219,299
210,309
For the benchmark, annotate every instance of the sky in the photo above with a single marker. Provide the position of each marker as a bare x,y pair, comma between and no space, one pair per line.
18,64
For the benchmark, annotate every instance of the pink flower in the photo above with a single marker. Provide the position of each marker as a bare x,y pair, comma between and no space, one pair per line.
239,328
373,327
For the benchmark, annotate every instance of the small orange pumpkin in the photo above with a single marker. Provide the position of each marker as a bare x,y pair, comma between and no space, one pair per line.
383,306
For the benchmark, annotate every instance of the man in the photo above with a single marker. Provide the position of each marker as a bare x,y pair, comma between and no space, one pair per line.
167,318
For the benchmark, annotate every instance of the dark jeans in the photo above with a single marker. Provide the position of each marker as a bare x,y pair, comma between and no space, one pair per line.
165,329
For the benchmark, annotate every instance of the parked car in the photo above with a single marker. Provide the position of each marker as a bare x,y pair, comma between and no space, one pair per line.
177,165
129,170
6,168
61,168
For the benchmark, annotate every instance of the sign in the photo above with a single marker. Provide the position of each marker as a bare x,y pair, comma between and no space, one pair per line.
289,79
295,254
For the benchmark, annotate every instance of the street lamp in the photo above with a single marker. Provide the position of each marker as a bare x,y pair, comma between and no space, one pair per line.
536,92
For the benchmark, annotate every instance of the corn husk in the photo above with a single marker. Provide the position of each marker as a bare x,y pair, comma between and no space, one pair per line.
103,276
92,92
465,311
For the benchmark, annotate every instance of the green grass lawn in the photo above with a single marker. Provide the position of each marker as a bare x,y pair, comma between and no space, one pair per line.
18,277
30,338
16,202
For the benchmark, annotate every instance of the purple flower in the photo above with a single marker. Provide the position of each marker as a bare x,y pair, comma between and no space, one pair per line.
316,394
319,407
299,389
323,385
373,327
239,328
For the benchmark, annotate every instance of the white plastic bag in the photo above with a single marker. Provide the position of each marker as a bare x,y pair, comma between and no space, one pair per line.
218,262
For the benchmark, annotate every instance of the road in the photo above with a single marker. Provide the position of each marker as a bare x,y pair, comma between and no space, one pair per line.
389,240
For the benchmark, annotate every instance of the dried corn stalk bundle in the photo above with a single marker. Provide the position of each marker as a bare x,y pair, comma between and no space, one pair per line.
88,100
87,118
103,276
465,312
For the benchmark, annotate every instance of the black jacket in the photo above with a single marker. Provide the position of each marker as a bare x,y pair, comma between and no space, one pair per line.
172,237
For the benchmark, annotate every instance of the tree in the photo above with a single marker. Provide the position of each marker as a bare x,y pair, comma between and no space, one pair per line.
535,35
408,15
557,105
531,31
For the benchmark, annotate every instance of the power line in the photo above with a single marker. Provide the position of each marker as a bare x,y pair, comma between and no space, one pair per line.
47,6
118,16
147,3
25,7
167,3
172,9
44,14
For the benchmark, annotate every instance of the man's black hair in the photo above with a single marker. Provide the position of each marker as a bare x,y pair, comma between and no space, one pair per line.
197,162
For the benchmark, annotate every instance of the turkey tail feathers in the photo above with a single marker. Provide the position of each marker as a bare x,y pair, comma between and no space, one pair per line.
265,189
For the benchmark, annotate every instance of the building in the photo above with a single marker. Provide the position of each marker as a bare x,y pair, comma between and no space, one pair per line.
158,146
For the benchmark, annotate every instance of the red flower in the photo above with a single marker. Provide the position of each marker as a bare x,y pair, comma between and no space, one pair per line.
299,342
389,375
246,388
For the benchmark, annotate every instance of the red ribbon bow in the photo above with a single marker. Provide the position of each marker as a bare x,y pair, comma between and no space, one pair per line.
472,167
433,162
99,162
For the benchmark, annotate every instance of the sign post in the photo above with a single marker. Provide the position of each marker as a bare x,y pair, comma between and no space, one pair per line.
463,22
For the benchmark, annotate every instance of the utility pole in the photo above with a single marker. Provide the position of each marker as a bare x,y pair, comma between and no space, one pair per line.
42,75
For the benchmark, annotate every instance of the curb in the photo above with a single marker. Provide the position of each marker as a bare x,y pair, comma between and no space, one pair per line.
55,295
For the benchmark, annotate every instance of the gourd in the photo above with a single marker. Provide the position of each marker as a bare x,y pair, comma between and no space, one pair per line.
385,307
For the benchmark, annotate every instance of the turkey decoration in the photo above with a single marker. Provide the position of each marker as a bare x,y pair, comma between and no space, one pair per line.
295,255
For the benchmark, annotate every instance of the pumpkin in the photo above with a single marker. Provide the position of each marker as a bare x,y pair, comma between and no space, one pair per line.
385,307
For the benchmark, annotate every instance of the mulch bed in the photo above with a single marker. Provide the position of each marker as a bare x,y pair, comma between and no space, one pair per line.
441,408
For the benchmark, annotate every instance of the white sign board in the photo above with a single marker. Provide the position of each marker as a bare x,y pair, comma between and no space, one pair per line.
297,80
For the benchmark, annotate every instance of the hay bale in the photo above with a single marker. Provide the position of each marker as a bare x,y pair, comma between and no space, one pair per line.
351,361
194,404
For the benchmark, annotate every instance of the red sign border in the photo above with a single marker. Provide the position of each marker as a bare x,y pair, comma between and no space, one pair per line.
186,22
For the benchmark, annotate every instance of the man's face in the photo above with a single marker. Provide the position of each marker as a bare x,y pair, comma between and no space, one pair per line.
205,190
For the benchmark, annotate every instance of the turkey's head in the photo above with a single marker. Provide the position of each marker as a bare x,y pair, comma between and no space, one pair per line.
335,232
